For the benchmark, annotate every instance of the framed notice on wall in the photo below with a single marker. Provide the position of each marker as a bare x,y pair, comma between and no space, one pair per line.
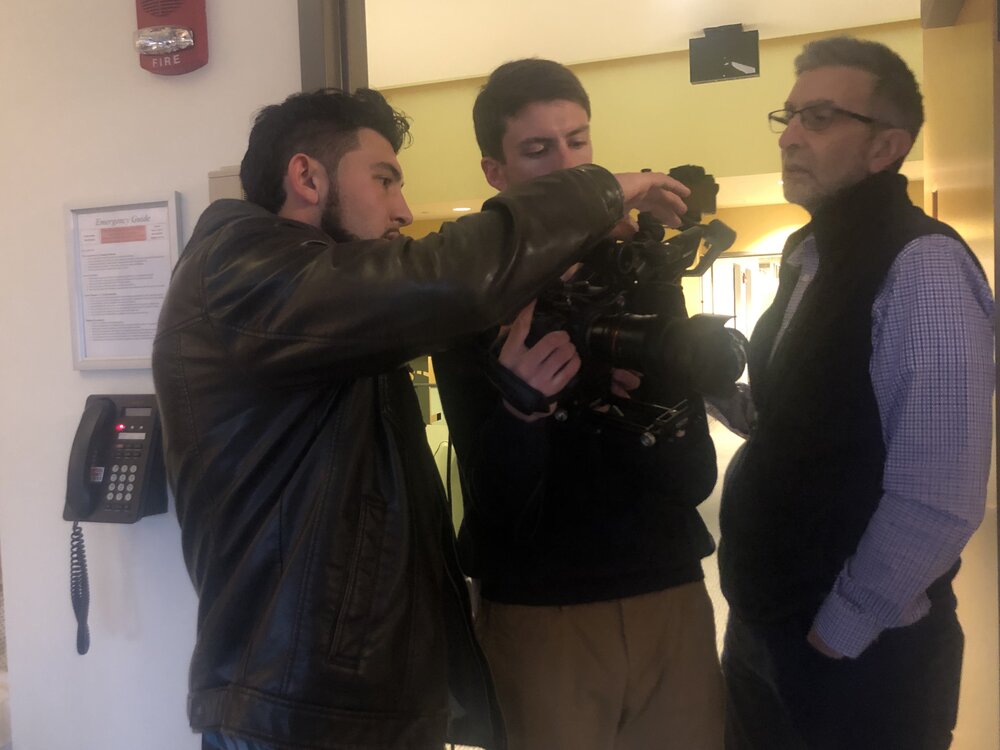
120,260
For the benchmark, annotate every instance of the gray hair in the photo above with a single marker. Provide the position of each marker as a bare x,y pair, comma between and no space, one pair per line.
896,91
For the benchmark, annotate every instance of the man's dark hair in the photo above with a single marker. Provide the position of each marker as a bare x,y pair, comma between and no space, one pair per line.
512,87
323,124
896,92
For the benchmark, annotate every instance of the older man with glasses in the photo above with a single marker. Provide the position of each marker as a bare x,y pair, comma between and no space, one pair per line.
869,431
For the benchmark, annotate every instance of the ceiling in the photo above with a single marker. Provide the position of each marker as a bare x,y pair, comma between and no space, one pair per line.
412,42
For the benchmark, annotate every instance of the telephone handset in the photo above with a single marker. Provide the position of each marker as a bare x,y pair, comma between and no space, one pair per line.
115,475
82,482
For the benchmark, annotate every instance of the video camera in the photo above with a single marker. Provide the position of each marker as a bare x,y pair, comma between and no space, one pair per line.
624,308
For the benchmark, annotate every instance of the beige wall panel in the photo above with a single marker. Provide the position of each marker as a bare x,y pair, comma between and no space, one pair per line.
959,154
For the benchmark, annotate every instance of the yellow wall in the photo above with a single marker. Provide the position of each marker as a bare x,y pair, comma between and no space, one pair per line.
959,148
645,114
960,64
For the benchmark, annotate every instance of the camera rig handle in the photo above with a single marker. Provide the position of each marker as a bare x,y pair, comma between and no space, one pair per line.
649,257
718,237
649,422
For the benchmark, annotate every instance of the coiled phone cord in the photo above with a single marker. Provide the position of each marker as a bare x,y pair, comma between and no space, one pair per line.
79,588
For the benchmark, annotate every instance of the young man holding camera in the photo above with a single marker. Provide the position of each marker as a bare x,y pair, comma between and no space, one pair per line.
594,615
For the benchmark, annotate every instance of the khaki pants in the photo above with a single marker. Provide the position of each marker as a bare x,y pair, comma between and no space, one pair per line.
640,673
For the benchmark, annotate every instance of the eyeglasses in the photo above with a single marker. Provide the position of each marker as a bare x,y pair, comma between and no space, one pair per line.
815,117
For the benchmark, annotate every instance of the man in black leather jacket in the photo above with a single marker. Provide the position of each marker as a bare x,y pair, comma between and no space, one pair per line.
331,612
595,618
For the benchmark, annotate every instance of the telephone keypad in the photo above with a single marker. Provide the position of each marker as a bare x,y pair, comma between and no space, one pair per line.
122,480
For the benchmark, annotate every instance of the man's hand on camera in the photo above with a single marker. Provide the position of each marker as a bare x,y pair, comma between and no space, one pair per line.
623,381
547,366
624,229
656,192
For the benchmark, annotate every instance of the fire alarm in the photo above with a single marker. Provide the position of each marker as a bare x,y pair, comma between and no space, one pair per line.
172,37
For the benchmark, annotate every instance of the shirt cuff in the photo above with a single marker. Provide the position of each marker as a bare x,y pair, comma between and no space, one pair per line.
847,629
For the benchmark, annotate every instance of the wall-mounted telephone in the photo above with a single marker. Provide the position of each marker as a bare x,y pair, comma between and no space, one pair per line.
116,470
115,475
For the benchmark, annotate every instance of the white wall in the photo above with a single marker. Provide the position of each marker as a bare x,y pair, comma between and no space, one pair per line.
82,123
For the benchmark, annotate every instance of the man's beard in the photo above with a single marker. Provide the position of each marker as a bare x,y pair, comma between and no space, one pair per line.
330,221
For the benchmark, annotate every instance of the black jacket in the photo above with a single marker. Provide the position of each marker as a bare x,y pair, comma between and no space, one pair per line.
331,612
570,512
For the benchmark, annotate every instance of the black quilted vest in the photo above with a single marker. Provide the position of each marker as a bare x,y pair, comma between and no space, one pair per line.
800,493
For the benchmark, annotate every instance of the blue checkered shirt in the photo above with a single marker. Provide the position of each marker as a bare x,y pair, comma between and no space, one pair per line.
932,372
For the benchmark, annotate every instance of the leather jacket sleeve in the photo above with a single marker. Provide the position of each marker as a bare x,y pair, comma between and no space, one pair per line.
292,306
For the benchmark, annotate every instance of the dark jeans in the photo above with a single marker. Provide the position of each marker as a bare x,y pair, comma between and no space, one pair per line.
902,692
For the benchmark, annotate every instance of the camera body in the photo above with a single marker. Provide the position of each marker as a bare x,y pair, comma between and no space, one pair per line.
624,308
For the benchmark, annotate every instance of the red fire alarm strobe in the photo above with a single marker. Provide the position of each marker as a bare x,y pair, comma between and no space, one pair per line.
172,37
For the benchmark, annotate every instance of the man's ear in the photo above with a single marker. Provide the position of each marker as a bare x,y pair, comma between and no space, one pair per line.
495,172
306,181
888,146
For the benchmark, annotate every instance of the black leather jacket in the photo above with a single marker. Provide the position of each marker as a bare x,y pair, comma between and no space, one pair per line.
331,611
